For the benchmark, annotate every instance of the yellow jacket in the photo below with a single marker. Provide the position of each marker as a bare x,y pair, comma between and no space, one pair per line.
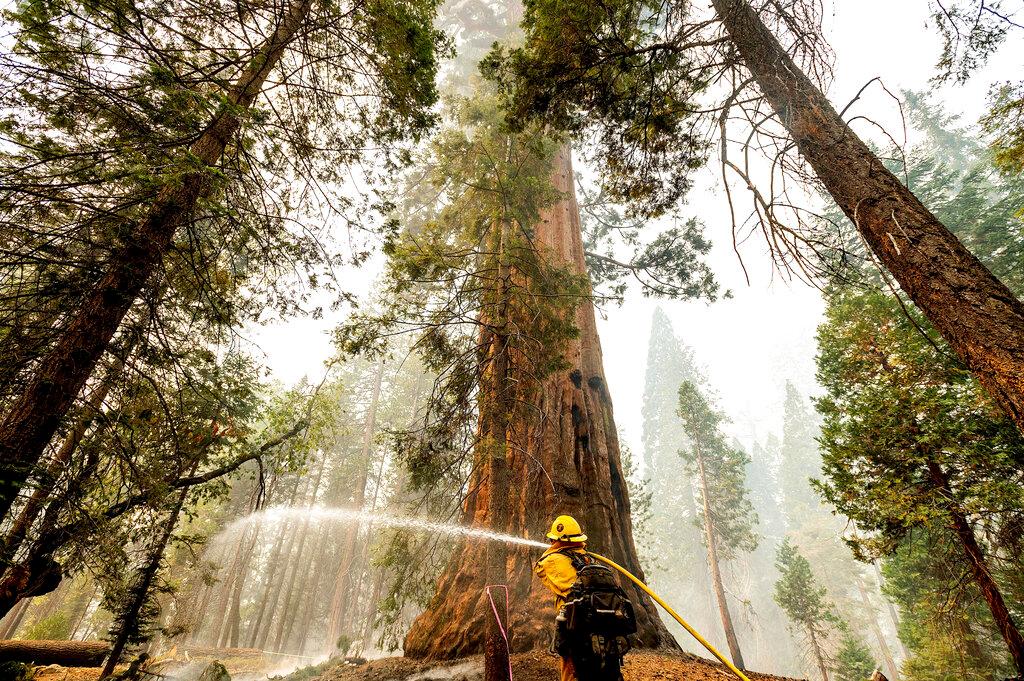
556,571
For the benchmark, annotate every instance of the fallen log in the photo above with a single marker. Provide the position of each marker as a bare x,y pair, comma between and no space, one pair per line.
64,653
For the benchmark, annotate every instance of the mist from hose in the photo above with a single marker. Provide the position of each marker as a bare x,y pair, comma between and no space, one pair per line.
343,516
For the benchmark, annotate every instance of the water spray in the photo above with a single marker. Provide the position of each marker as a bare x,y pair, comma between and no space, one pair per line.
345,515
281,514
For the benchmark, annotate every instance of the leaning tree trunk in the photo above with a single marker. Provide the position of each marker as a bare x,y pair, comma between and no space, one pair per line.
979,569
975,312
33,418
566,461
711,538
883,645
142,591
819,658
64,653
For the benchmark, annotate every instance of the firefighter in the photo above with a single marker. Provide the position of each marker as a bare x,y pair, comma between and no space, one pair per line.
557,569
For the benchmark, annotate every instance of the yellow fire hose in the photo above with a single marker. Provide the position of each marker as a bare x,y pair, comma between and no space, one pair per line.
669,610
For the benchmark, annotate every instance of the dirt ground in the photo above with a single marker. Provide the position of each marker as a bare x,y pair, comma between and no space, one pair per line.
533,666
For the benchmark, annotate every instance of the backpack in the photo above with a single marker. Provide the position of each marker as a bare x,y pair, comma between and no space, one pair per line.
596,621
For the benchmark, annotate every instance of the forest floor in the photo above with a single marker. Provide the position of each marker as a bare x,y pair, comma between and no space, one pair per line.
532,666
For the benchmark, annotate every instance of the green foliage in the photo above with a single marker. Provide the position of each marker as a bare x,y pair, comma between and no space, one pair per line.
798,593
670,264
1004,122
950,631
621,70
896,397
16,671
853,659
56,627
971,30
732,515
894,403
800,460
901,415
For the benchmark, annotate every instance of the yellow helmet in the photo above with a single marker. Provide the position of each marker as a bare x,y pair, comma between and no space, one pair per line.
565,528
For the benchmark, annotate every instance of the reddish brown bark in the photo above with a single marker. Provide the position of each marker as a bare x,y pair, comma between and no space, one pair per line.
980,570
64,653
974,311
34,416
565,462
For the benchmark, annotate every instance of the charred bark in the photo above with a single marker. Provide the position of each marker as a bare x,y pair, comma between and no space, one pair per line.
35,414
566,461
976,313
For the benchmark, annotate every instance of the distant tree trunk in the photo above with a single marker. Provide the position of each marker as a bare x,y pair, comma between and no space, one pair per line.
12,620
566,461
129,619
819,657
869,612
979,569
711,538
302,608
278,587
343,580
276,562
893,615
307,596
975,312
289,592
35,415
84,609
369,624
232,630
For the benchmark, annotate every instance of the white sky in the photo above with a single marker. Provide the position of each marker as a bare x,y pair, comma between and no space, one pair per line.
749,345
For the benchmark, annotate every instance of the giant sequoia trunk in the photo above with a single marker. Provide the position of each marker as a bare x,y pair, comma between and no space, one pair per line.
974,311
565,461
34,416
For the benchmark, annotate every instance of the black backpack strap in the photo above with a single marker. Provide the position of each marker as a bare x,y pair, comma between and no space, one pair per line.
578,560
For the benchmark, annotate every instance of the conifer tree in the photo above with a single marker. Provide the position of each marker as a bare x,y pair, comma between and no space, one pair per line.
677,553
895,389
805,603
853,659
638,74
726,515
167,133
800,460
